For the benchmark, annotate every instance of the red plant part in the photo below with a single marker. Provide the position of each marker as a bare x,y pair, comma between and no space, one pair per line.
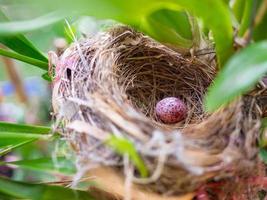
202,194
218,188
258,181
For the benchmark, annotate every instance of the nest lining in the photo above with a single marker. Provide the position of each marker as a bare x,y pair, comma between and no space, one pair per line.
110,84
148,74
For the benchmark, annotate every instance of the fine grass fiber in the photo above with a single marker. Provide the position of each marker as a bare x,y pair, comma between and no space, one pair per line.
108,85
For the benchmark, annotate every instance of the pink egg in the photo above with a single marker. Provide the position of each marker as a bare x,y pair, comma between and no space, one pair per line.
171,110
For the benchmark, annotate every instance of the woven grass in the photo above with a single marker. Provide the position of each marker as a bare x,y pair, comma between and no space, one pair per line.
109,85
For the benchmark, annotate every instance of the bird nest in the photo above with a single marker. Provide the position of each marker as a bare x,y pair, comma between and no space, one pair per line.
107,87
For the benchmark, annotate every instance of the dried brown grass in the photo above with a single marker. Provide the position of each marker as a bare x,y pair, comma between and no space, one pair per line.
109,85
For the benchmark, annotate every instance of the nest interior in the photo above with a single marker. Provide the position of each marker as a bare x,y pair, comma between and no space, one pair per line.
148,73
109,85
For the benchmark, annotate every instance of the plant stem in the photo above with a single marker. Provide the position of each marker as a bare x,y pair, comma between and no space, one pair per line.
16,80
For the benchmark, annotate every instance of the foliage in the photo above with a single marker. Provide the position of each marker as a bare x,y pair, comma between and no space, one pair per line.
22,128
125,147
57,165
131,13
239,75
16,135
22,190
19,43
24,49
180,23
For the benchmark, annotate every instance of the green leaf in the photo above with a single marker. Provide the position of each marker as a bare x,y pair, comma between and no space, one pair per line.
22,45
16,135
6,197
59,165
176,20
69,31
263,136
169,26
263,155
24,190
246,19
15,27
217,17
23,128
46,77
215,14
124,146
226,1
41,64
19,43
260,31
264,124
12,138
238,9
238,76
9,148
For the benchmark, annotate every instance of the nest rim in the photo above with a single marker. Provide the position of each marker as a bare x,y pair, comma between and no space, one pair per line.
185,134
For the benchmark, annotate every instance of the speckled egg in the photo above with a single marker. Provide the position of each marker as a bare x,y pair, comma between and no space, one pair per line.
171,110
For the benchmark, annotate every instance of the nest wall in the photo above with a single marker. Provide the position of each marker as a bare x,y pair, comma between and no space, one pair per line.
109,85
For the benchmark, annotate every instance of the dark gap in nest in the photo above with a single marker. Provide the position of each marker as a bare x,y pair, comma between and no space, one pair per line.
68,71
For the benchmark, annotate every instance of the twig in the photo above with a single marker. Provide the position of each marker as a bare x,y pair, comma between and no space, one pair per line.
15,79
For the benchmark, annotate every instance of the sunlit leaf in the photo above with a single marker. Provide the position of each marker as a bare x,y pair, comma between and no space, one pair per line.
9,138
19,43
16,135
23,128
238,76
15,27
6,149
214,13
57,165
25,50
12,138
69,31
22,46
22,190
124,146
